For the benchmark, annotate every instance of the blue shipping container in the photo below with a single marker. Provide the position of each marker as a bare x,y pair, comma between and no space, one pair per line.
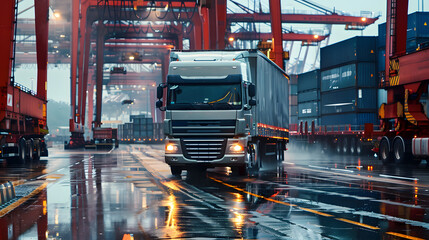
308,109
417,27
312,95
354,119
349,100
345,76
356,49
309,80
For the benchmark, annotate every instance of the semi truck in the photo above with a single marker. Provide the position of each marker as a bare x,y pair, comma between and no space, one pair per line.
224,109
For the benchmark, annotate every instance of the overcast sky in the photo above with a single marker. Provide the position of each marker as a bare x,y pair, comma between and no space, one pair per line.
59,77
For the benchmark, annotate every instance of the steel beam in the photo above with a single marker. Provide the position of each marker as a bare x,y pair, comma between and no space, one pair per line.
276,29
99,73
41,8
285,36
74,58
302,18
82,58
7,28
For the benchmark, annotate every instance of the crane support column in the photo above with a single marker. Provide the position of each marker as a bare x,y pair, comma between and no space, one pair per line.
99,74
7,28
82,60
74,57
85,72
276,29
41,8
196,34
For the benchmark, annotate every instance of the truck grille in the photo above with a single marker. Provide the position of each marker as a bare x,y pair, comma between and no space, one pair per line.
203,149
203,127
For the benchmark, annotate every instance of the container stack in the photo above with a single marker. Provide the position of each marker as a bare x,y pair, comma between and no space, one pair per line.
142,127
309,97
349,83
293,102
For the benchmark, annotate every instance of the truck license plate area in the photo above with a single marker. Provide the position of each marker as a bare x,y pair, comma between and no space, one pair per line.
203,149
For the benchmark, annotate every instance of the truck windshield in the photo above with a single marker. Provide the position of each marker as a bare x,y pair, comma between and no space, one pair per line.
203,96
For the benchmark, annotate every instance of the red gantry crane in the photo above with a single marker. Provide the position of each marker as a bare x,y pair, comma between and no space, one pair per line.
22,111
404,124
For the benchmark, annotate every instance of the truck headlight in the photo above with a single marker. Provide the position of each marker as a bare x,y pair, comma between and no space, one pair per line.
236,148
171,148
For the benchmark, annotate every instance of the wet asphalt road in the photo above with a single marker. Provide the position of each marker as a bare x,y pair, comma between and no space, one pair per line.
129,193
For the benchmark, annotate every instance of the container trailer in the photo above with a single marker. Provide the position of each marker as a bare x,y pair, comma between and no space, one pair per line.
224,109
22,111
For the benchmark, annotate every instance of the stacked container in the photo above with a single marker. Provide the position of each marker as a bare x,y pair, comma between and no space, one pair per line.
293,102
309,97
348,82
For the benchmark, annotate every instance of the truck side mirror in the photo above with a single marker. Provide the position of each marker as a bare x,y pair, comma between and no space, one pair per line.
159,103
252,102
159,92
251,90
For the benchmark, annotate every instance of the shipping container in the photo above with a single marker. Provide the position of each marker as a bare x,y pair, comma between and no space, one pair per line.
356,49
293,119
356,120
309,80
360,75
381,97
308,109
381,59
294,110
293,90
417,27
349,100
312,95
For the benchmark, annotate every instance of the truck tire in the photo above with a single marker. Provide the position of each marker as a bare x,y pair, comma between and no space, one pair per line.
353,146
253,155
37,151
401,153
22,150
339,146
346,146
30,150
176,171
384,153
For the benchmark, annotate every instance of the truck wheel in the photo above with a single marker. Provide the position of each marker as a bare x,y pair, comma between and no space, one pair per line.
37,151
22,150
176,171
353,146
346,145
339,145
384,153
30,150
253,156
400,153
358,147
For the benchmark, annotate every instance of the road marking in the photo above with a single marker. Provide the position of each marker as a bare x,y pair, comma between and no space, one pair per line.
22,200
342,170
404,236
358,223
398,177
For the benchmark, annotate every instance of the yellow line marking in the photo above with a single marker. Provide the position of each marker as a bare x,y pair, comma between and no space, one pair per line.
358,223
404,236
270,199
22,200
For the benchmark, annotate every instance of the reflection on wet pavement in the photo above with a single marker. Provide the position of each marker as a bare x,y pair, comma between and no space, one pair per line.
129,193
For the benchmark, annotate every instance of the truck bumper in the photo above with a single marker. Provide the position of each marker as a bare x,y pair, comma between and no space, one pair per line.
229,160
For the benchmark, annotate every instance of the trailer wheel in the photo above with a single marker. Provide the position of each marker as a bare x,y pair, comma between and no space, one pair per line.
30,150
358,147
339,145
346,145
384,153
400,153
353,146
176,171
37,151
22,150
